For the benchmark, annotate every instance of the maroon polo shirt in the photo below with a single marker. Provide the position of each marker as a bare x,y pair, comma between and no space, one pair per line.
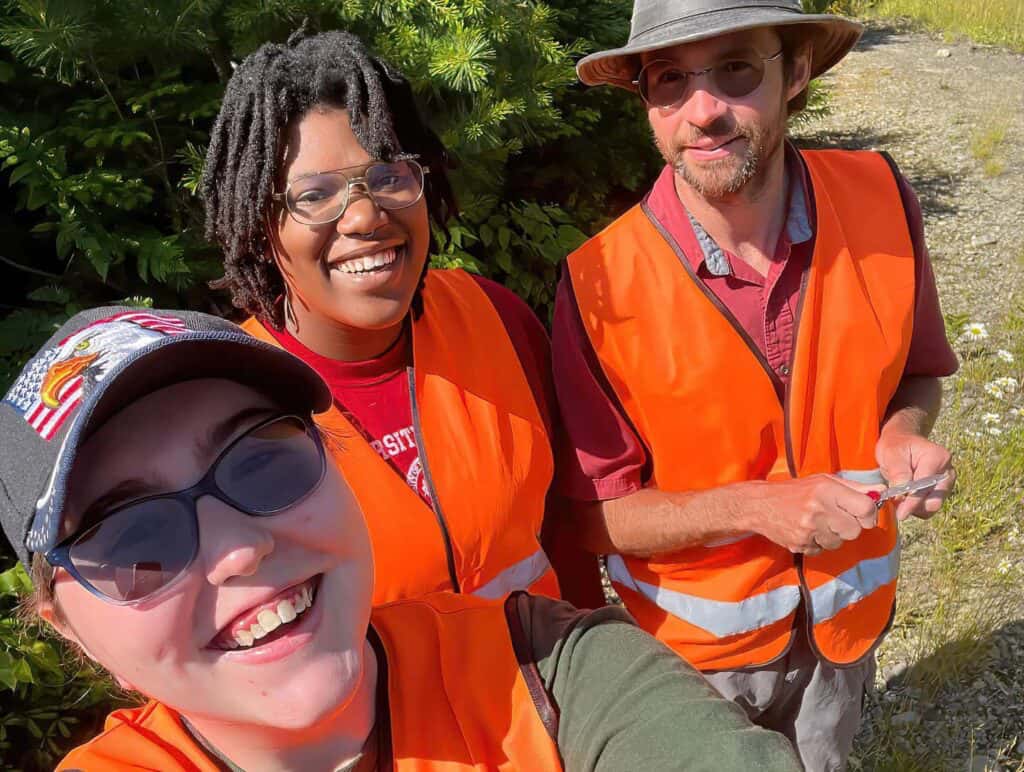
600,456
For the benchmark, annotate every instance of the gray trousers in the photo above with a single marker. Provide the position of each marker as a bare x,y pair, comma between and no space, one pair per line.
818,707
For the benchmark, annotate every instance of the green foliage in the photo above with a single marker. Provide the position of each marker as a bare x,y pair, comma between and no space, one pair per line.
48,699
108,105
104,122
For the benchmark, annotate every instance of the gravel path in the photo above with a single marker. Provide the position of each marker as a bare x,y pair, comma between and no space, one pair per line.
930,104
926,102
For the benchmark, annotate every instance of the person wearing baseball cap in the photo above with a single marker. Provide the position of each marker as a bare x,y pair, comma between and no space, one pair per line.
731,354
165,484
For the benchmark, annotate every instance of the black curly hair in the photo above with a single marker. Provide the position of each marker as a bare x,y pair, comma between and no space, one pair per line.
271,87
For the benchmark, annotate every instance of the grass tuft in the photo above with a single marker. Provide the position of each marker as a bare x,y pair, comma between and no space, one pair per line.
988,145
1000,22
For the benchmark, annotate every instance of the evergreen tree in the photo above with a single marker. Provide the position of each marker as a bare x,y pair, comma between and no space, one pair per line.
104,121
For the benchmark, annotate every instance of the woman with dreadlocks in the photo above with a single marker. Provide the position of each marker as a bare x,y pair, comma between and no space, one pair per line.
321,183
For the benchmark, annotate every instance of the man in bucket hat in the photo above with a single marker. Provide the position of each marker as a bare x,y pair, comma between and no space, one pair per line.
744,361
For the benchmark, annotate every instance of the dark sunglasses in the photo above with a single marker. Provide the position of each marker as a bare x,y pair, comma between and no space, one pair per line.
141,547
663,84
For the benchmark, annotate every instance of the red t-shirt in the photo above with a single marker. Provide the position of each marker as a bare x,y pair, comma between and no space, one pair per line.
600,456
374,394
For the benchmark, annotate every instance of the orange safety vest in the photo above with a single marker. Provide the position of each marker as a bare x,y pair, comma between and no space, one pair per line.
485,452
702,398
462,691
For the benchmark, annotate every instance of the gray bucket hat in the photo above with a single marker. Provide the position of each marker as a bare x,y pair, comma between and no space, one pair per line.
664,23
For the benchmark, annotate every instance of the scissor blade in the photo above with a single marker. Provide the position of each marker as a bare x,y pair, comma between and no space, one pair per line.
914,486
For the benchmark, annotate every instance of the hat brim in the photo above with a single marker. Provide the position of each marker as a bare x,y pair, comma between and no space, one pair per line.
175,359
269,370
832,38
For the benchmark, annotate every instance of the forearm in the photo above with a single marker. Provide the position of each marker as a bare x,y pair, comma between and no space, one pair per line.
650,521
914,407
626,701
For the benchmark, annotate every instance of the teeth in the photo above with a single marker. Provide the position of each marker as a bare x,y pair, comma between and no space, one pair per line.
244,638
269,620
286,611
369,262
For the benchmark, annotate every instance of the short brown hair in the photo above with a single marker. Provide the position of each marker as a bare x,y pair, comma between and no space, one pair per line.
41,575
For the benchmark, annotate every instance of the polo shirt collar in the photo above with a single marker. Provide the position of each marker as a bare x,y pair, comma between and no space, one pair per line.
798,222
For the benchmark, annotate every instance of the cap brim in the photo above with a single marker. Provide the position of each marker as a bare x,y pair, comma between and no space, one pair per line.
832,38
268,369
175,359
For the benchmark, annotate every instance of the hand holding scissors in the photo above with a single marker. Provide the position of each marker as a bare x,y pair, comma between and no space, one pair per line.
907,488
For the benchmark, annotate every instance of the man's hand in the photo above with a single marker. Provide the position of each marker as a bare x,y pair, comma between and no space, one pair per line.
903,457
812,513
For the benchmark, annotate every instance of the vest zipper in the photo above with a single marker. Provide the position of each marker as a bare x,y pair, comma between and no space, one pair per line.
726,313
434,499
798,560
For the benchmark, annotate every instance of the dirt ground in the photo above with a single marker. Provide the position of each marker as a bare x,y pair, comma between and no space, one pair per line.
952,116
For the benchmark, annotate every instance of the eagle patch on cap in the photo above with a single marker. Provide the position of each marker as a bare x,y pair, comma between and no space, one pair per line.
53,384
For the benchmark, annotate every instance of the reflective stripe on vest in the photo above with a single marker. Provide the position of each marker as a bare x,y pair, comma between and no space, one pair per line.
720,618
458,699
519,576
854,585
484,443
703,401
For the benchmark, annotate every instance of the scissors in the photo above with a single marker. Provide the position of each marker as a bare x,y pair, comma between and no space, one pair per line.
906,489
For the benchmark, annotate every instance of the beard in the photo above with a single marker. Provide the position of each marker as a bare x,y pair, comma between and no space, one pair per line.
723,178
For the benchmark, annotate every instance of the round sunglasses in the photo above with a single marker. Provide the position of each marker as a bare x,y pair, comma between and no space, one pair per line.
662,83
139,548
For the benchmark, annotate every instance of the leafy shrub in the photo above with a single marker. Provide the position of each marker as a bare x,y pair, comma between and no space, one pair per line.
104,121
47,697
108,105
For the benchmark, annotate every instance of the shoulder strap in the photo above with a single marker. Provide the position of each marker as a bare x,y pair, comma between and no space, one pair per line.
515,613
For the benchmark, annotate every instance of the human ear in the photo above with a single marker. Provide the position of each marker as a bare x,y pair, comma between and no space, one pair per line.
49,613
800,72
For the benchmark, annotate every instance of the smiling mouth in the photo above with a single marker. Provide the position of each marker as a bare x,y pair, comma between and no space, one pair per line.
716,147
268,621
378,262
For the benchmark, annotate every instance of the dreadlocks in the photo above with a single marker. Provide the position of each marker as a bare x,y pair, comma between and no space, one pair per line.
271,87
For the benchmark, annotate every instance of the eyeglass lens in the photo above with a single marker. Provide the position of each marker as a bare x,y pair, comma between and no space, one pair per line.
663,84
322,198
143,546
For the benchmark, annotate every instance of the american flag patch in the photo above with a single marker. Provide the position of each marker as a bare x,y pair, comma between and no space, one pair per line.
53,384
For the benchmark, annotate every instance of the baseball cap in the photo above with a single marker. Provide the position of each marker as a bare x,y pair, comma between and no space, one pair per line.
100,361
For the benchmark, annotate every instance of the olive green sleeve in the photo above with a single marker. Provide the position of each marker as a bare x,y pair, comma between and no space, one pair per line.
626,701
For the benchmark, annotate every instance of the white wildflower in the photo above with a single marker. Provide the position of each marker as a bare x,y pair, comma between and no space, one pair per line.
995,431
974,331
1005,566
1016,412
1014,536
990,419
993,390
1005,355
1007,384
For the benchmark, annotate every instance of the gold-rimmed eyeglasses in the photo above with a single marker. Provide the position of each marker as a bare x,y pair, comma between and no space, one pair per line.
322,197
